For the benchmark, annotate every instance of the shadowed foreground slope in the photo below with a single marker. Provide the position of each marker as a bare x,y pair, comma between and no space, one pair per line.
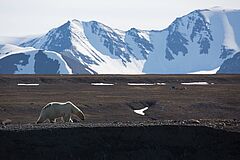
165,142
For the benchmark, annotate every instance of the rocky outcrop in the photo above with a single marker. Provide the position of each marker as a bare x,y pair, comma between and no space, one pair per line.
231,66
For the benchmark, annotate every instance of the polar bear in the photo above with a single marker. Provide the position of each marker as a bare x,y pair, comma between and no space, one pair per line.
55,110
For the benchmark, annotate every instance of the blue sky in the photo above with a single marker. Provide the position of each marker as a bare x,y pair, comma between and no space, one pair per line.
27,17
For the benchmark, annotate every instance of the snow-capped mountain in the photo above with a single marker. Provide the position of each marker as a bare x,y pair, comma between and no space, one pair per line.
199,41
96,48
17,60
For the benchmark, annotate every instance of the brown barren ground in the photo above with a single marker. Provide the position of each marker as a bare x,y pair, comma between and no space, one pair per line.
219,100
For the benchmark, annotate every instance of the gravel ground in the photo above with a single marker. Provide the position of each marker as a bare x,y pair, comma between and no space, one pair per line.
228,125
165,140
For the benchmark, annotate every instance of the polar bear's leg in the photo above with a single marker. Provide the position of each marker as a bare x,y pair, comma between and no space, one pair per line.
66,118
70,120
52,120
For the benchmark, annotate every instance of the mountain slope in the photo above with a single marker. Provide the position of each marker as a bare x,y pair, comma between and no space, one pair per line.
98,48
10,48
199,41
231,65
31,61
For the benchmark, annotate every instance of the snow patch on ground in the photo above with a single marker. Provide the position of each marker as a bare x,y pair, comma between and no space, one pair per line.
141,84
195,83
102,84
146,84
141,111
28,84
161,84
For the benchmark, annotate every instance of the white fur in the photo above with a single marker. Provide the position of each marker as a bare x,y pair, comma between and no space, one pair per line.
55,110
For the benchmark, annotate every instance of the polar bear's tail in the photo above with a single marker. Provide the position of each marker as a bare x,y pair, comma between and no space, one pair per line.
76,111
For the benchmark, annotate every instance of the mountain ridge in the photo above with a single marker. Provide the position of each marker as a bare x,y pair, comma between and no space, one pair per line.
199,41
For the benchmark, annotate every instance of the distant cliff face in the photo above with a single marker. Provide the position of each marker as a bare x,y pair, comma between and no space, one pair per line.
199,41
231,66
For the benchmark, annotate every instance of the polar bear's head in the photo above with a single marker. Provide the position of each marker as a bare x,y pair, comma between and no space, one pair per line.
76,110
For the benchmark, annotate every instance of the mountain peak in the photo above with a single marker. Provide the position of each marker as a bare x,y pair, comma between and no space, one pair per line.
216,8
75,22
200,40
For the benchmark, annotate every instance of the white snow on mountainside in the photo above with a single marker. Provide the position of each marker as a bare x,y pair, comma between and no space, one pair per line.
214,71
96,47
10,48
198,43
31,61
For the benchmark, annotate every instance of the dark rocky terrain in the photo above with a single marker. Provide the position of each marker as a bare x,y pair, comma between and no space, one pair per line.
182,122
231,66
118,141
